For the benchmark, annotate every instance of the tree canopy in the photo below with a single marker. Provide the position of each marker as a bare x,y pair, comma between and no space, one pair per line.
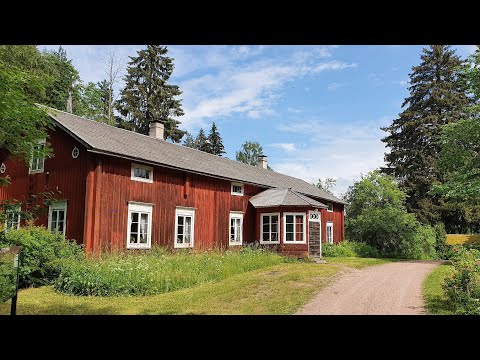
438,96
148,97
211,144
215,141
376,214
459,157
23,82
249,153
326,185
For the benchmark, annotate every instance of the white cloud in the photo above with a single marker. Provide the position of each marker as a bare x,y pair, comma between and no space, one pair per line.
294,110
336,149
403,83
335,86
288,147
251,88
376,79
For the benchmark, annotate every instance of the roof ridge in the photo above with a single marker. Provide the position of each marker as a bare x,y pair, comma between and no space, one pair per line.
235,168
97,122
165,142
298,195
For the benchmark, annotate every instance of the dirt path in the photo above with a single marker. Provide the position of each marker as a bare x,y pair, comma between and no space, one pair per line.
394,288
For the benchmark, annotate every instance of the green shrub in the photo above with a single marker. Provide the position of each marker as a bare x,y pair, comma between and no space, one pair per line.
393,232
337,250
423,244
349,249
7,277
40,253
154,272
442,248
377,216
462,289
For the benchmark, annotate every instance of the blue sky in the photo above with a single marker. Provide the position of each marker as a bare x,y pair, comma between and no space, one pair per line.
316,110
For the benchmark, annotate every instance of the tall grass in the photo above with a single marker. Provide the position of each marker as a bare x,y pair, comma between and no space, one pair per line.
350,249
156,271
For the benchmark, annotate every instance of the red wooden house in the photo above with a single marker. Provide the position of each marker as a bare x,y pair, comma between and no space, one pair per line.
120,189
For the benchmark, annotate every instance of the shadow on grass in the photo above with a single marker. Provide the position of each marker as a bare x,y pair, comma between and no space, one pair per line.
437,305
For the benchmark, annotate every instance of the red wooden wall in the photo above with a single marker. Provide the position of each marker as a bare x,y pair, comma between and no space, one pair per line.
63,175
337,216
210,197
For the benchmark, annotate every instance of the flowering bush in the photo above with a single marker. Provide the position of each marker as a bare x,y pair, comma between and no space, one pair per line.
463,287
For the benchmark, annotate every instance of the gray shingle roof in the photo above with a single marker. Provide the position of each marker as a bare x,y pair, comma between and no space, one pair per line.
283,197
102,138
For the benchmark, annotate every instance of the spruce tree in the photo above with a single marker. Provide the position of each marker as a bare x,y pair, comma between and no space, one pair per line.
215,141
147,97
201,142
189,141
64,92
437,97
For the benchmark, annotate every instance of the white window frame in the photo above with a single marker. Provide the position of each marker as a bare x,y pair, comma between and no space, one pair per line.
236,193
13,212
184,211
145,167
30,171
270,230
59,205
329,224
294,214
235,215
143,208
328,208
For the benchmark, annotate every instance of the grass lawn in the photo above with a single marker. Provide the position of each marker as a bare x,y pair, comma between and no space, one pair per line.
435,301
279,289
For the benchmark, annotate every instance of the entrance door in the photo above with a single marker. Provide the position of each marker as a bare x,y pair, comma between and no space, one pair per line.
314,234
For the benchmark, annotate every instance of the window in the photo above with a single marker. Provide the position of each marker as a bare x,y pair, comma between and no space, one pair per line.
329,232
139,232
294,228
37,161
184,227
142,173
237,189
330,207
57,217
75,152
270,228
236,229
12,218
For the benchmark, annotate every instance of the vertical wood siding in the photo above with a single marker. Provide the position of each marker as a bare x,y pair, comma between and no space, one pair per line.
337,216
211,199
63,175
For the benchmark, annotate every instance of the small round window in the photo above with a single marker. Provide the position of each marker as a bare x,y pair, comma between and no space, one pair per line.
75,152
2,168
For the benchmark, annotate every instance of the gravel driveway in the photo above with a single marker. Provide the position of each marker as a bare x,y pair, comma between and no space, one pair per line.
387,289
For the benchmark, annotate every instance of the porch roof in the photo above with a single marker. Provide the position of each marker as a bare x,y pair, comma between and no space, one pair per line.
283,197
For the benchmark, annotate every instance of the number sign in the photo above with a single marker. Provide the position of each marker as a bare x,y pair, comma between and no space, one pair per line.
314,216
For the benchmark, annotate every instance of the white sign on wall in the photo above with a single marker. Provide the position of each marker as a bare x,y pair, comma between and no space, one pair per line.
314,215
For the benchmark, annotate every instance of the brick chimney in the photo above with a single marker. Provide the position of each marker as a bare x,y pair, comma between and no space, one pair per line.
156,130
262,162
